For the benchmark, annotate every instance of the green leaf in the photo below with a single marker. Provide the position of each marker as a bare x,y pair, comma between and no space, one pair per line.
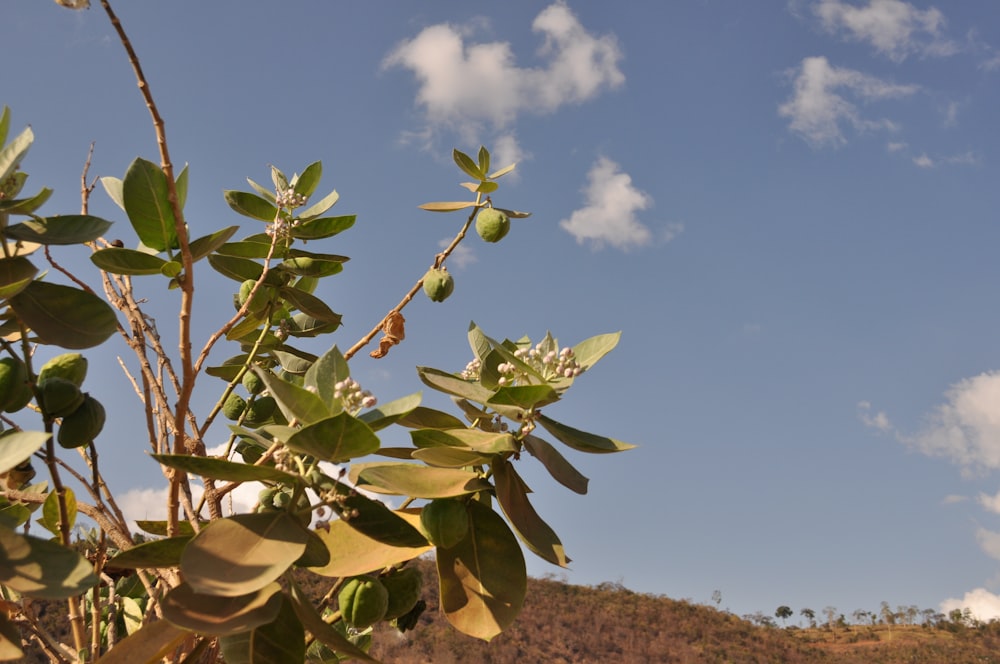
181,187
386,414
322,227
10,640
212,614
264,193
374,519
512,494
452,384
251,205
206,244
315,265
279,641
42,568
242,269
144,193
484,159
470,167
581,440
486,442
160,528
257,246
503,171
242,554
4,124
65,316
428,418
514,214
323,376
60,229
559,468
12,154
156,553
410,479
119,260
221,469
589,351
451,457
296,403
446,206
25,205
15,275
153,642
309,179
524,396
294,361
483,578
323,632
50,511
171,269
309,305
335,439
304,325
113,187
319,207
353,553
487,187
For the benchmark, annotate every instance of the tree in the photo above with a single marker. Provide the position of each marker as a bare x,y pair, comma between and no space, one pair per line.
783,612
205,581
860,615
809,615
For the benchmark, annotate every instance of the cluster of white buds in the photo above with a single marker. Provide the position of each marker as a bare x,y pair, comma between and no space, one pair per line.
551,364
282,227
352,396
508,374
290,199
472,370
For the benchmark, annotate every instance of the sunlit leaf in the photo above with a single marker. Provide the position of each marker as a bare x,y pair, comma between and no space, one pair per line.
309,305
306,183
206,244
353,553
450,457
243,553
429,418
524,396
12,154
559,468
324,374
60,229
50,510
581,440
483,578
470,167
335,439
251,205
389,413
160,528
514,214
503,171
10,640
25,205
221,469
42,568
119,260
154,641
487,442
155,553
487,187
65,316
212,614
296,403
452,384
113,188
322,227
144,194
242,269
319,207
589,351
484,159
512,494
447,206
419,481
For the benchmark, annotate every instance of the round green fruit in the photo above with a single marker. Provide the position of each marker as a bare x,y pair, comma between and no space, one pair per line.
70,366
492,224
261,410
445,521
234,406
363,601
83,425
404,588
14,391
59,397
253,383
438,284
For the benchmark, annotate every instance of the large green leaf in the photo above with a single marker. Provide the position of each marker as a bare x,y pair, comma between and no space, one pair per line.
119,260
206,244
243,553
309,266
323,227
280,641
386,414
374,519
42,568
450,457
320,206
25,205
12,153
589,351
323,376
296,403
144,194
151,643
483,578
306,182
336,439
309,304
242,269
452,384
65,316
581,440
429,418
559,468
524,396
15,275
410,479
323,632
512,494
470,167
353,553
487,442
211,614
60,229
251,205
155,553
222,469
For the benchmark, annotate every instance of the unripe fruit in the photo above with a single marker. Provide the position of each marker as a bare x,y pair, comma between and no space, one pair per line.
363,601
438,284
260,301
14,391
69,366
253,383
234,407
261,410
492,224
58,397
445,521
83,425
404,591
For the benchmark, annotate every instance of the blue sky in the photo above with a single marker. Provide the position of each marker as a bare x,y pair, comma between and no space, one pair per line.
789,209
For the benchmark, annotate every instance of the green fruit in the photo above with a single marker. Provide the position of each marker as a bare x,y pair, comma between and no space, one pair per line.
261,410
363,601
234,407
445,521
492,224
14,391
253,383
438,284
82,426
70,366
404,591
58,397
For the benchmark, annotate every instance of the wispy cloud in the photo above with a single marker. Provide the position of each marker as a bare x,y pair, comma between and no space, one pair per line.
923,161
894,28
465,85
875,420
461,257
610,213
821,102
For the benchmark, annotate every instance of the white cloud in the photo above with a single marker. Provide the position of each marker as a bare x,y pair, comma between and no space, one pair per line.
990,503
923,161
989,542
151,504
819,105
953,499
951,114
609,216
966,428
895,146
982,604
464,85
877,420
896,29
506,150
461,257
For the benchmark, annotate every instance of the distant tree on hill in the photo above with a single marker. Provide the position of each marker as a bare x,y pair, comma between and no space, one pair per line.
784,612
810,615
